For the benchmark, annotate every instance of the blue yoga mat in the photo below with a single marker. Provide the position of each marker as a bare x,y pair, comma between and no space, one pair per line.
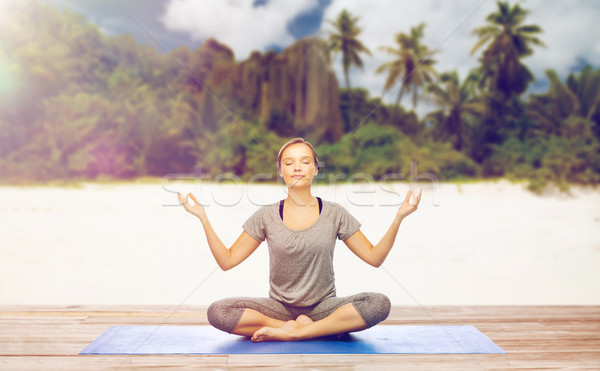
381,339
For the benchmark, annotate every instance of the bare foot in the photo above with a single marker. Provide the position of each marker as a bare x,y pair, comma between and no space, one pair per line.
287,332
303,320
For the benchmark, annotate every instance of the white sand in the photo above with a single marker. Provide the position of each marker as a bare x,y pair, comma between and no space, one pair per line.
485,243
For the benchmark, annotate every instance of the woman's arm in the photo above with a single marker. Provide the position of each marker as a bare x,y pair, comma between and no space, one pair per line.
375,255
226,258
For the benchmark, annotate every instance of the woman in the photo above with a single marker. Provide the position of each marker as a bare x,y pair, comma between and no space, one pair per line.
301,232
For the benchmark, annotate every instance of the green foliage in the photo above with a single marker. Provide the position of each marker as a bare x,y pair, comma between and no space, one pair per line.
364,108
502,75
261,156
554,159
344,39
458,104
508,40
384,150
413,65
76,104
281,122
579,97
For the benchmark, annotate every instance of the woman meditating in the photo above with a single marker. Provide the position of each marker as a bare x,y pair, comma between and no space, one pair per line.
301,233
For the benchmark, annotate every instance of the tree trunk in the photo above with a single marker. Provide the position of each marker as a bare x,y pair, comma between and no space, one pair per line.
349,92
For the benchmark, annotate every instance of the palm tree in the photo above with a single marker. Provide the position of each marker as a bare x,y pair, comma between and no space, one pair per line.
578,98
344,39
565,130
457,101
509,40
413,66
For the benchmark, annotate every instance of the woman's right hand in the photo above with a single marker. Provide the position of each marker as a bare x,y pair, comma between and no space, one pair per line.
196,210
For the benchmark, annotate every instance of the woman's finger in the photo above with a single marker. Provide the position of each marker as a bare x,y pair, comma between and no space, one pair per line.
408,194
415,199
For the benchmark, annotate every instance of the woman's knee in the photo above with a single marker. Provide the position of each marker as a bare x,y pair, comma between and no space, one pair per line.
384,303
373,307
224,315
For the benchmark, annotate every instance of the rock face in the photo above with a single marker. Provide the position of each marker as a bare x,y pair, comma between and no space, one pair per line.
294,93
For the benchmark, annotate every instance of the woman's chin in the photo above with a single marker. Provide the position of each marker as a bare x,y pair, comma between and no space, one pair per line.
302,183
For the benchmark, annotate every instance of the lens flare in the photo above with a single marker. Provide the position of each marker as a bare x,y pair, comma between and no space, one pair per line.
8,72
8,69
5,6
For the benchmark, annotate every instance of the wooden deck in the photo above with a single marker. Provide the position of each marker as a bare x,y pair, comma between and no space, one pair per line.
534,337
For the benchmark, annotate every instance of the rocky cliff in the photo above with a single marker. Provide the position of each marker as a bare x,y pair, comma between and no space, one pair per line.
294,93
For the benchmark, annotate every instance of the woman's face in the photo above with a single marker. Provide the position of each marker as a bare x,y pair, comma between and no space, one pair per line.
297,165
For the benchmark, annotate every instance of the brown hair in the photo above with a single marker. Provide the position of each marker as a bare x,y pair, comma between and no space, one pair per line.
294,141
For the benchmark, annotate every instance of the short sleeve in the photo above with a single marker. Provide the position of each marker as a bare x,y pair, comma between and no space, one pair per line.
348,225
255,225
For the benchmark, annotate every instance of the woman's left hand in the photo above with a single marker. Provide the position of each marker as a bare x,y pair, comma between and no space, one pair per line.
407,208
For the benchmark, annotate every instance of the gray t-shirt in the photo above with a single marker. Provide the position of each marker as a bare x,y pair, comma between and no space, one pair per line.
301,262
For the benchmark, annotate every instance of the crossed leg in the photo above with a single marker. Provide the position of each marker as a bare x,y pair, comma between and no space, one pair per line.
253,321
343,319
266,319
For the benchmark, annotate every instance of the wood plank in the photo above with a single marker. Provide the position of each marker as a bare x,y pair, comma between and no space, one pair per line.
551,337
103,308
47,314
147,320
96,362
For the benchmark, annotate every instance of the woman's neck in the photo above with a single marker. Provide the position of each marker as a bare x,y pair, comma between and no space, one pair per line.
300,197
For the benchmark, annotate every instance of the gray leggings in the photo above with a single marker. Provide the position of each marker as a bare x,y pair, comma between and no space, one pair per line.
225,314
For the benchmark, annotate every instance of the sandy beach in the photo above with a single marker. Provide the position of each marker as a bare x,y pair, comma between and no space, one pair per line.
483,243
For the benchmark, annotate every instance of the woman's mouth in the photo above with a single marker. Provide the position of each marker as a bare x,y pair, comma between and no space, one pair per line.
297,176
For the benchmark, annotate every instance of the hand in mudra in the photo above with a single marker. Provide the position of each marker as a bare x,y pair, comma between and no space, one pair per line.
407,208
197,209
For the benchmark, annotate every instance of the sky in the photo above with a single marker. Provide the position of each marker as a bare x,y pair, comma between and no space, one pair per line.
570,29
